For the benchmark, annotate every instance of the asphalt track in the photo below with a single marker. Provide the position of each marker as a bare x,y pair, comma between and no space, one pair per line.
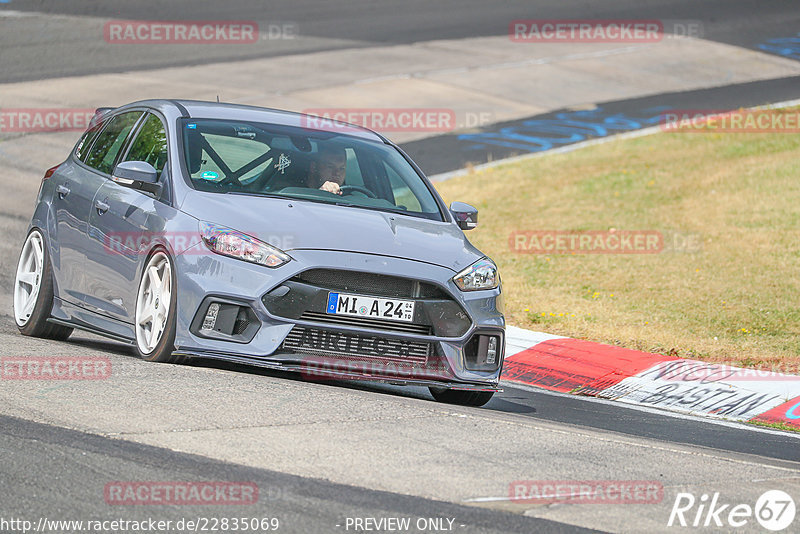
77,466
56,472
70,51
585,412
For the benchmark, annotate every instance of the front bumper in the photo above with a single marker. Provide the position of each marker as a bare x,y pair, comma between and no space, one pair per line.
333,372
287,338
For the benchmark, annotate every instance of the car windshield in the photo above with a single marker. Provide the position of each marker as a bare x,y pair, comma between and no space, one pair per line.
225,156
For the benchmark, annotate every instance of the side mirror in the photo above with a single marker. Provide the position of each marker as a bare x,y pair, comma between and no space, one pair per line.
137,175
466,216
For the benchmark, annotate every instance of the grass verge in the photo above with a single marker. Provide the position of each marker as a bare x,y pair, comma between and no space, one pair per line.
726,286
775,426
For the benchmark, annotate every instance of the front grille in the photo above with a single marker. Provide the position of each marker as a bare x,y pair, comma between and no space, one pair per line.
393,326
370,284
305,297
339,344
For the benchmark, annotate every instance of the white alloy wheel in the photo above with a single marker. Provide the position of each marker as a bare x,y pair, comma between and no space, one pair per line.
153,302
29,278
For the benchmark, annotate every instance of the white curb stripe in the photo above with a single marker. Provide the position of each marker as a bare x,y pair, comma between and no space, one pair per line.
519,339
690,387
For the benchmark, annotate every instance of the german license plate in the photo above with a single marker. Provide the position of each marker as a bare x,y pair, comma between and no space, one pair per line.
370,307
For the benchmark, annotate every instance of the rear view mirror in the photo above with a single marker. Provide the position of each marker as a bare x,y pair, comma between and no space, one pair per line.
466,216
137,175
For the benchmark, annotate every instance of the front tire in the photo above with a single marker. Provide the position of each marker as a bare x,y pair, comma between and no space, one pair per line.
462,397
156,305
33,291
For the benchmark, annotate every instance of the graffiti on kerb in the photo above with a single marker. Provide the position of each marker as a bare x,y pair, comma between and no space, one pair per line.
565,128
785,46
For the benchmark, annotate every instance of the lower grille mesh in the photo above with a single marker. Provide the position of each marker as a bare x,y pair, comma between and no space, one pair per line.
240,326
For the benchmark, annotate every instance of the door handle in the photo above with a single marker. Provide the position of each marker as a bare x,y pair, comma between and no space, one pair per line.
101,207
62,191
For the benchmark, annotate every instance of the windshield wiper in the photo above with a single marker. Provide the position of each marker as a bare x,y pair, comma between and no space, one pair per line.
420,215
255,194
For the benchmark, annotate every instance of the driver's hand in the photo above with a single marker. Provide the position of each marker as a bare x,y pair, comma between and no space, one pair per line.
331,187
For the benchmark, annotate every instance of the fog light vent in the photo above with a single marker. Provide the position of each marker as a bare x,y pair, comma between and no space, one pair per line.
224,319
242,322
482,352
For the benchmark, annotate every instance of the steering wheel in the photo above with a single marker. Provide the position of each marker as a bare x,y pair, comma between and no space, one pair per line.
347,189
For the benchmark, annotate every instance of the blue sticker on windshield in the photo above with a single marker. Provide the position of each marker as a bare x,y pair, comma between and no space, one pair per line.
209,175
191,126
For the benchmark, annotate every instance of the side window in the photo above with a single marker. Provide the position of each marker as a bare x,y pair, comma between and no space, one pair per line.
108,144
404,197
150,144
353,171
86,141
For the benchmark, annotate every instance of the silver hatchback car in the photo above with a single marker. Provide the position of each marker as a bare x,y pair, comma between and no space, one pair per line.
207,230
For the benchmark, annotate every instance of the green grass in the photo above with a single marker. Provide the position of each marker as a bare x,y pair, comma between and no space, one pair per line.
735,299
776,426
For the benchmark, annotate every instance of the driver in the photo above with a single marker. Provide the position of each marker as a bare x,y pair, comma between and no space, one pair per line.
327,171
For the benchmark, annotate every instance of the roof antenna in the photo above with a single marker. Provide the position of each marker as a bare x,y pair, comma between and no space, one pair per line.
217,99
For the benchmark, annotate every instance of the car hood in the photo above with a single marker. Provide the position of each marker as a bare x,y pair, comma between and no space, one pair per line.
297,224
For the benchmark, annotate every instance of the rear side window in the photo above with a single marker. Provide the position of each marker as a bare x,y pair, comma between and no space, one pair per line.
353,174
150,144
86,141
403,196
106,147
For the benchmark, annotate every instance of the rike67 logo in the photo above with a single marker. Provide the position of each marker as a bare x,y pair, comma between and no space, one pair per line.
774,510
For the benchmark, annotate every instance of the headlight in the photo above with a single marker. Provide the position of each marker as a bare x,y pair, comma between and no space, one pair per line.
480,275
241,246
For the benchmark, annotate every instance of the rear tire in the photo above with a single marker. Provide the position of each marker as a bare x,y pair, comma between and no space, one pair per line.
462,397
33,291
